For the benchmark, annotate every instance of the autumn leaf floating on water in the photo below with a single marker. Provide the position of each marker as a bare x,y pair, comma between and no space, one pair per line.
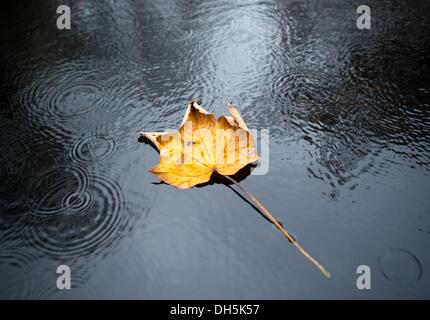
205,144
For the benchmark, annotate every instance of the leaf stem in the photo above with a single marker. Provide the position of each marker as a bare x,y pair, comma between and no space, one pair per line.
280,227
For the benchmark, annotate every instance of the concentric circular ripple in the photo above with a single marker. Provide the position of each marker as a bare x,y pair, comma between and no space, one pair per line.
63,94
61,190
16,278
101,219
60,101
400,265
93,148
74,99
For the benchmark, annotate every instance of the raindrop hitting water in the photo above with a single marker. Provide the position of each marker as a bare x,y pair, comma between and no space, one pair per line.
400,265
93,216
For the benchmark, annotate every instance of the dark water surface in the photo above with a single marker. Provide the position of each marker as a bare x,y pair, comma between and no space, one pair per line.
349,120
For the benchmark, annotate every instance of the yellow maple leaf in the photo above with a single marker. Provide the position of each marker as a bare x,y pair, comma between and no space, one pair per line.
203,145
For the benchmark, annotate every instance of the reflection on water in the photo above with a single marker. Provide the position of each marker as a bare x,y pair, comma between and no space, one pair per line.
349,120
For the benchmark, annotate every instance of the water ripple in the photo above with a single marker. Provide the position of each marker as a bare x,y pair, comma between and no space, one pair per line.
93,148
58,190
74,99
400,265
99,221
62,99
18,281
